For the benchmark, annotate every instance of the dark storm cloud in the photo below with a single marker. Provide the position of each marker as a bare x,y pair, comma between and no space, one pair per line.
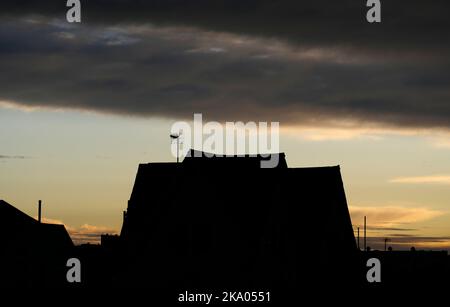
408,23
301,62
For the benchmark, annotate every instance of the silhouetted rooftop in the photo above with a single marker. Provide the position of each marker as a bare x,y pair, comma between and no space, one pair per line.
230,214
23,228
196,158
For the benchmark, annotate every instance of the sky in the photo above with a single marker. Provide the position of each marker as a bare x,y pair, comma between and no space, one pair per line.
81,105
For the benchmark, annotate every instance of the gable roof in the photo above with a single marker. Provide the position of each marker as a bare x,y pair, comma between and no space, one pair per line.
10,214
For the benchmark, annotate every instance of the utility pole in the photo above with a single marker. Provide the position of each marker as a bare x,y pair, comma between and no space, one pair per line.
385,243
358,239
365,233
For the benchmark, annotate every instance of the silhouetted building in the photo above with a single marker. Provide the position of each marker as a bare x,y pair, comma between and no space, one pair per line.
226,222
109,241
32,253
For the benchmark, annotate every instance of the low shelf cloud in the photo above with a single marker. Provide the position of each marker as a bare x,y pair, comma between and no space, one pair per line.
432,179
388,217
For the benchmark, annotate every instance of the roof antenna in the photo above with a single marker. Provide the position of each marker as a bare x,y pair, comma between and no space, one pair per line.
176,136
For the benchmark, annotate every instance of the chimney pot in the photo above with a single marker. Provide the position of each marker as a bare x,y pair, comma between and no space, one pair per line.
40,211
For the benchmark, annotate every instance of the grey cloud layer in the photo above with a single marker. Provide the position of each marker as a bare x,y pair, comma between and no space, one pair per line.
406,23
298,63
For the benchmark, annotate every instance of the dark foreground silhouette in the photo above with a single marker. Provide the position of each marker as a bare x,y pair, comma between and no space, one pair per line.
221,224
31,253
226,222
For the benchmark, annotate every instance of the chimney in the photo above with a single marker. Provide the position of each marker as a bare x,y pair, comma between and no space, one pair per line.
39,211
